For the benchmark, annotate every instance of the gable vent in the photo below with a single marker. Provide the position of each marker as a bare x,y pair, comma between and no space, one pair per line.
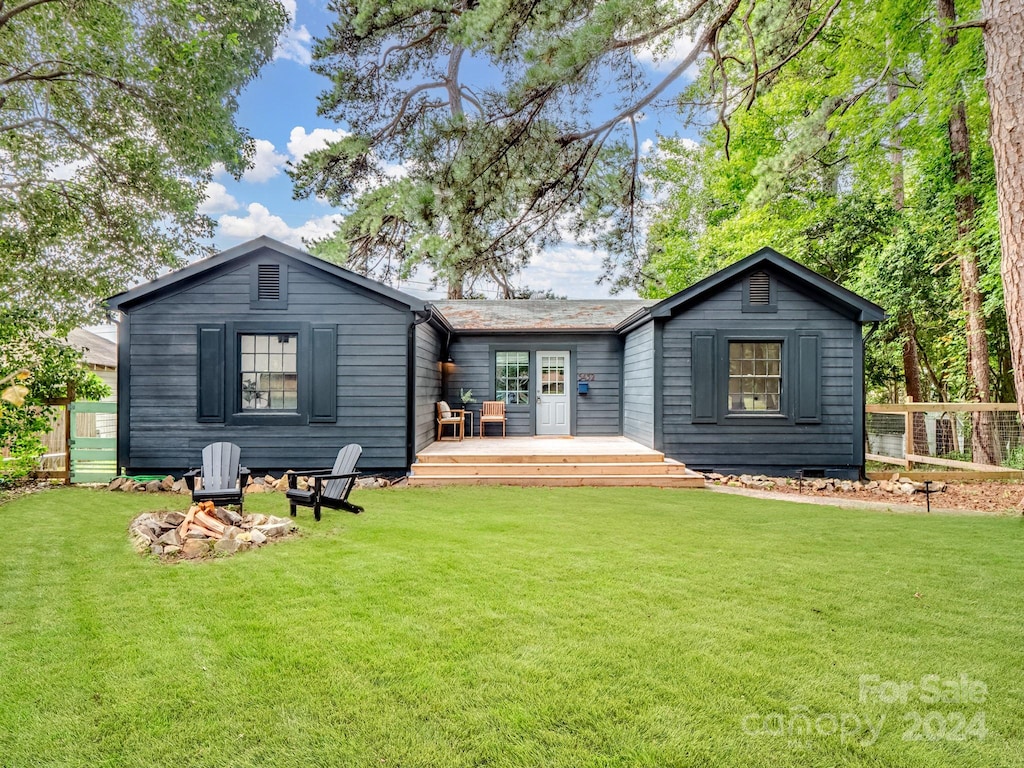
760,286
268,282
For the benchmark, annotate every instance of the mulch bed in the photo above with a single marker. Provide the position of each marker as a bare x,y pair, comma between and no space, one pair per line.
991,496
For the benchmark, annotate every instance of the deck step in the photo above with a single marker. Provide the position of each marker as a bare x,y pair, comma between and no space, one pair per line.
531,469
687,480
540,458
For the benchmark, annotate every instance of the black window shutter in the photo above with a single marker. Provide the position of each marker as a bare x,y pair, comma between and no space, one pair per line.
324,379
808,380
702,377
212,374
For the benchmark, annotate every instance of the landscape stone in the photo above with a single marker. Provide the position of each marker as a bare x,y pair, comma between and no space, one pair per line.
115,484
231,532
154,486
172,550
172,537
269,479
227,516
282,484
257,537
273,530
230,546
156,549
167,484
174,518
128,485
254,488
195,547
140,543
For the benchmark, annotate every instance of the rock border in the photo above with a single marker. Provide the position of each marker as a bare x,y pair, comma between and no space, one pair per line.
894,485
169,535
256,484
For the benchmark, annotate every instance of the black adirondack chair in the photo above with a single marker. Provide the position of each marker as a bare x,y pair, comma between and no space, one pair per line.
223,478
327,487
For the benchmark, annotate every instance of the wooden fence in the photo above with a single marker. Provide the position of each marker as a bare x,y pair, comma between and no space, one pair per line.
947,435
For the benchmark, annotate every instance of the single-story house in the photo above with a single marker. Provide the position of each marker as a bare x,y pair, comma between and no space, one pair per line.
756,368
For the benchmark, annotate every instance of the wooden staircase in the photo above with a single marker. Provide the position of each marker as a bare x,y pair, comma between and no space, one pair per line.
548,463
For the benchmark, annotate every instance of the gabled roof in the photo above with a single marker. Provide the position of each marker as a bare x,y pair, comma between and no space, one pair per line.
96,351
850,303
538,314
194,272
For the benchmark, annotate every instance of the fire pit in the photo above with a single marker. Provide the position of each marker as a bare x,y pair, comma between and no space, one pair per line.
205,530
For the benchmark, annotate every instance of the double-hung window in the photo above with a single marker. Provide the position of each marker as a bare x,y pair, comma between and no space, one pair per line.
512,377
268,372
755,377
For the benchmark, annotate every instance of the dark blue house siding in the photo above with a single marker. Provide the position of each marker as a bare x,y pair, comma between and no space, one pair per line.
372,373
834,443
638,385
600,354
428,382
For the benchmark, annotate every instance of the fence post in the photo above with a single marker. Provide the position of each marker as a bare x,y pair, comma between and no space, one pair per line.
908,436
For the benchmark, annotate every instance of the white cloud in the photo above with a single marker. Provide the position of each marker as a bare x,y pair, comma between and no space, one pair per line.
294,42
301,143
569,270
260,221
646,146
665,54
218,199
266,163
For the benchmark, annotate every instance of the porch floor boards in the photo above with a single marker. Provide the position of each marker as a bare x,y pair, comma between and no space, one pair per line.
544,461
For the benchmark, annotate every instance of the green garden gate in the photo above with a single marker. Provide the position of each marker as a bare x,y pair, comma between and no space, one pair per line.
93,441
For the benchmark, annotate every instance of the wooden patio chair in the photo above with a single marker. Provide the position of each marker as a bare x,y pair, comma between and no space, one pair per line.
222,479
327,487
491,412
447,417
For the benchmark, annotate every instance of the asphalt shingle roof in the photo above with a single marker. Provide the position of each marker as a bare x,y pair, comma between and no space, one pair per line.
96,350
538,314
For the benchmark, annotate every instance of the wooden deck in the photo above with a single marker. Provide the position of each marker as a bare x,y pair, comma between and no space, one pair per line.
549,461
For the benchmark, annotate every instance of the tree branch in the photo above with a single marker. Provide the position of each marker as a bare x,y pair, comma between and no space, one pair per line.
6,16
398,47
699,45
976,24
404,106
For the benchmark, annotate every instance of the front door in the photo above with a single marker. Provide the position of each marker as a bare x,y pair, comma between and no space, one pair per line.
552,393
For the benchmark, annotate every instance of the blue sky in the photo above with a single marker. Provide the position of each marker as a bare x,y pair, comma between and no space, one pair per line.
279,111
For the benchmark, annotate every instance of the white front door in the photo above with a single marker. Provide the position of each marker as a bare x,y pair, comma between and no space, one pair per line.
553,393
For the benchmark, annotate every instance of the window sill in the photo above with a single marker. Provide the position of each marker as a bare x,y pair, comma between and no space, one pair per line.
282,418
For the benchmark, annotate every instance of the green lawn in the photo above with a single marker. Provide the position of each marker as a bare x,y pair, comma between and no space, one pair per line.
512,627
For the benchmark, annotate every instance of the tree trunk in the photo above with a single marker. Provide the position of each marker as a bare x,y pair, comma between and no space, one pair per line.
912,379
982,434
1004,80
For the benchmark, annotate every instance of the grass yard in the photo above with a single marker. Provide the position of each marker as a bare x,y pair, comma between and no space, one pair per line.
515,627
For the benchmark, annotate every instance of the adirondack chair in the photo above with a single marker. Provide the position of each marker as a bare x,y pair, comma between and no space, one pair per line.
492,412
447,417
329,487
222,478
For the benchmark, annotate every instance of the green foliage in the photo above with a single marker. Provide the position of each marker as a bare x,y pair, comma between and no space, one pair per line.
55,368
111,116
502,164
809,168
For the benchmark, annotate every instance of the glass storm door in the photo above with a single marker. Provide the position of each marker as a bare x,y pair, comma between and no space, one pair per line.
552,393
